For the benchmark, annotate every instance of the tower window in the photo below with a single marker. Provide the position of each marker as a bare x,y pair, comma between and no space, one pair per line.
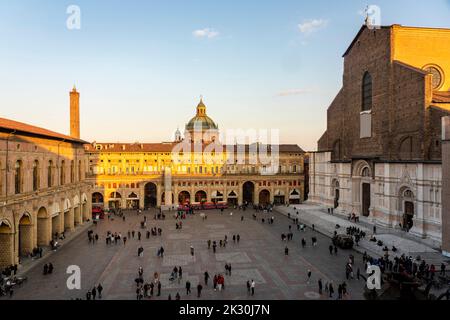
367,92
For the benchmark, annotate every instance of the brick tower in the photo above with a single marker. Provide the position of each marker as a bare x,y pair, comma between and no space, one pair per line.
74,113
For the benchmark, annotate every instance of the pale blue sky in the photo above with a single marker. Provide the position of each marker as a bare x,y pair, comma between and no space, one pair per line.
141,69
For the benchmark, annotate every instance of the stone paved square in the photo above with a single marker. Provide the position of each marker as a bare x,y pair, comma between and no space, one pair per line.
259,256
233,257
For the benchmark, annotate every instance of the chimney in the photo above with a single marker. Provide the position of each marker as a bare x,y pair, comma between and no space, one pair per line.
75,113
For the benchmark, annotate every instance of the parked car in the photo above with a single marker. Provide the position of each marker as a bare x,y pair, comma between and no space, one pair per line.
343,241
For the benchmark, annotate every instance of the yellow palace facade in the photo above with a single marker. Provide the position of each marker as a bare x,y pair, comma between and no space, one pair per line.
194,169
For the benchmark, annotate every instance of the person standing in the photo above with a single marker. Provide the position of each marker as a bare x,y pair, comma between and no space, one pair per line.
253,287
159,288
320,286
93,293
309,276
206,274
215,282
286,251
248,287
331,289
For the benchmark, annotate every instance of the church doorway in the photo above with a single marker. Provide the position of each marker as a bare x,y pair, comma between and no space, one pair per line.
366,199
337,194
408,216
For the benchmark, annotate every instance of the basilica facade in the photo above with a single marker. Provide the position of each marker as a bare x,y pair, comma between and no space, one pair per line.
196,168
381,155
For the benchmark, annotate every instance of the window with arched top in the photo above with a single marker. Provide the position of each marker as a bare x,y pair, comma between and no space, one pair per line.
35,175
62,175
408,194
72,171
18,177
366,172
50,174
79,170
367,92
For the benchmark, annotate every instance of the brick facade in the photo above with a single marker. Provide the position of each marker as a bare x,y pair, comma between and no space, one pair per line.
384,162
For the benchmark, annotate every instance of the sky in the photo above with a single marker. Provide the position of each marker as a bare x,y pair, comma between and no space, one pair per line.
141,66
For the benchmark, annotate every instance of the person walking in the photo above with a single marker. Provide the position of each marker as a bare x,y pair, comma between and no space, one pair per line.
206,274
159,288
330,248
93,293
253,287
248,287
99,289
199,290
320,286
286,251
188,287
309,276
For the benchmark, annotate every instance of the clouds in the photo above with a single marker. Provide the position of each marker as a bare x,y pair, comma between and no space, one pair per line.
312,25
205,33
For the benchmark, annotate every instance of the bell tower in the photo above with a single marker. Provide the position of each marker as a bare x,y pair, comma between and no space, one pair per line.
74,113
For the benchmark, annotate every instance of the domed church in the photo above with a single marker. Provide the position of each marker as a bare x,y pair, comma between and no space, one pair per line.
201,128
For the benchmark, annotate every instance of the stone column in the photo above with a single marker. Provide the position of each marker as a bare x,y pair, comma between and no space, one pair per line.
419,215
446,186
240,194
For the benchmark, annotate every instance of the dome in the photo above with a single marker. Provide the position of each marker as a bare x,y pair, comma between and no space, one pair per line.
201,120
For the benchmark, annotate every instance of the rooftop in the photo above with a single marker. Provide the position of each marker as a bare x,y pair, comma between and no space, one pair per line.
20,127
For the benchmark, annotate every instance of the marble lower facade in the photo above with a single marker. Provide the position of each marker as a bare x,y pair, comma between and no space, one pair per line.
403,195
